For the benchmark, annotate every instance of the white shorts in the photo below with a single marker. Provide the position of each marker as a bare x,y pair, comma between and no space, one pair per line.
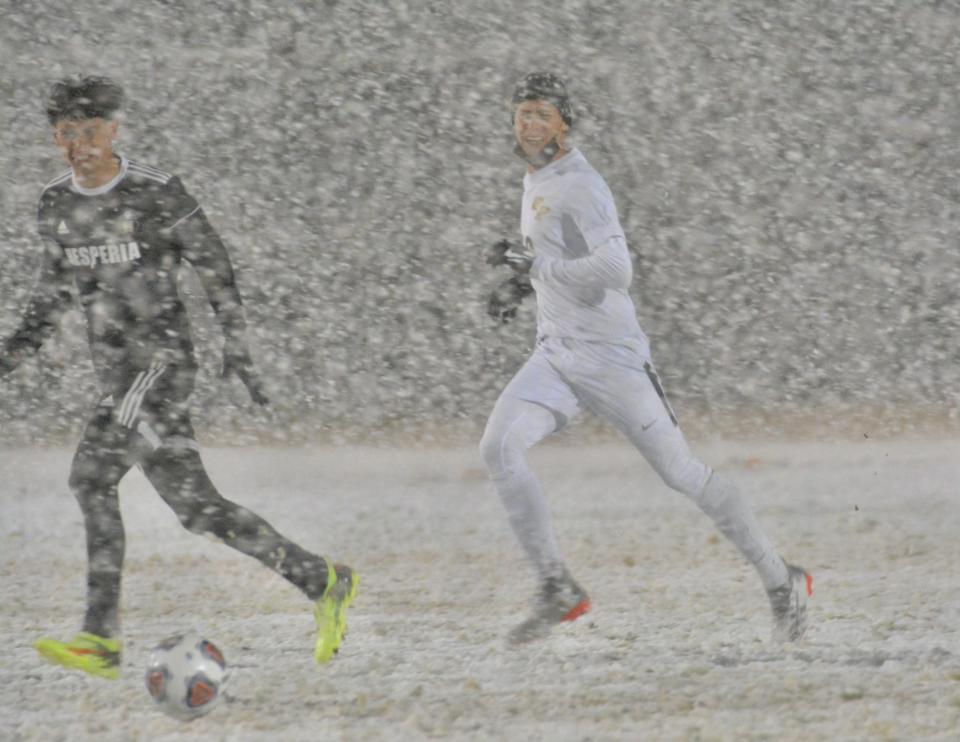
618,384
612,381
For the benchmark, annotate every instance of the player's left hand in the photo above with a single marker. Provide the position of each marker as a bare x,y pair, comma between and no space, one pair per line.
507,297
237,361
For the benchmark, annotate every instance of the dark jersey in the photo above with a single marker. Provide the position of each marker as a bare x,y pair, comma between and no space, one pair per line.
123,245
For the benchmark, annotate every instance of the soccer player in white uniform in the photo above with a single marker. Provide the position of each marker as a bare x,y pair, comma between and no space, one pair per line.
591,353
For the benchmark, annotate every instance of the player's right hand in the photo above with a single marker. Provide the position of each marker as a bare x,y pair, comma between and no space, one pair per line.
8,363
513,254
254,384
496,253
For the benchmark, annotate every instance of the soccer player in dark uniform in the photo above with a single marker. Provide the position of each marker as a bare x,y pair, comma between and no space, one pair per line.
121,231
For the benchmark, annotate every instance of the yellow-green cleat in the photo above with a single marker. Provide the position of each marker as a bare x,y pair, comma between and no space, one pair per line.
94,655
330,611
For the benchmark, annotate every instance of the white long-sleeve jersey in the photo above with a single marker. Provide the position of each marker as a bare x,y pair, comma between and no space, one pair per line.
582,270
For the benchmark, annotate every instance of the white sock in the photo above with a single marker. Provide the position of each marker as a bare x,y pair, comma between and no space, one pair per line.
722,501
530,520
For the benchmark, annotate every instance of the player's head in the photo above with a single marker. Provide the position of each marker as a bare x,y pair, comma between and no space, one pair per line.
84,112
542,116
81,98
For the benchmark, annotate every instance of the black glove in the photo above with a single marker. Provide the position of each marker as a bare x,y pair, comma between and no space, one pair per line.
506,298
514,254
236,360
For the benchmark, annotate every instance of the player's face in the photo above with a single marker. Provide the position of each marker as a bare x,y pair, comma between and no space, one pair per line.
87,144
535,124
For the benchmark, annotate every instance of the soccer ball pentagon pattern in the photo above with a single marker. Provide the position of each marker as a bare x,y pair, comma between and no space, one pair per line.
186,675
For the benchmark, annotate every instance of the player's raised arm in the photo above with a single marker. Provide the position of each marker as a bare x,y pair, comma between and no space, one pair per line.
50,299
607,267
205,251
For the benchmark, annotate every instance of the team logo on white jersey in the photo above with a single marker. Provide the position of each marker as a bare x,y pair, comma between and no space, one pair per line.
540,208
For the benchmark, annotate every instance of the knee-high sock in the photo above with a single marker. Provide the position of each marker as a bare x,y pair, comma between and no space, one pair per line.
530,520
721,500
105,551
98,466
503,448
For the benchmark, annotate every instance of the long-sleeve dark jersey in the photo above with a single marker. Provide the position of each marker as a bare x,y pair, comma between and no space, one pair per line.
123,245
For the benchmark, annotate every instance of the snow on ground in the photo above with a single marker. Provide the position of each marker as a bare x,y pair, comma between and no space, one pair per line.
676,647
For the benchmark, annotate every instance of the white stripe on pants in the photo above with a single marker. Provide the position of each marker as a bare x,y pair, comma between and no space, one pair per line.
130,405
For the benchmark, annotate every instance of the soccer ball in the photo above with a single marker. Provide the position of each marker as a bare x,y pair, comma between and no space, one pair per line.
186,675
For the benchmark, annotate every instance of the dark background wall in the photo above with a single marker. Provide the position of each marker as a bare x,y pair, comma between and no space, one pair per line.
785,174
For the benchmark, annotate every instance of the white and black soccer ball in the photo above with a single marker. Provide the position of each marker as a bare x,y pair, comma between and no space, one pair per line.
186,675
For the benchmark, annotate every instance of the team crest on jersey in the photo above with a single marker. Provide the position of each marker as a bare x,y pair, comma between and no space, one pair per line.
540,208
128,222
126,225
63,229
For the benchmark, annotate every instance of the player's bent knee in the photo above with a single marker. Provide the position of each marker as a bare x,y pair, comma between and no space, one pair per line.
502,454
491,446
510,432
196,518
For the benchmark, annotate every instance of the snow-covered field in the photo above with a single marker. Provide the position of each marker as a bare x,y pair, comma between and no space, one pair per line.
676,647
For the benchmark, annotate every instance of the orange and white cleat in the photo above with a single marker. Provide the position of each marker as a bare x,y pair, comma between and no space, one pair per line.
560,599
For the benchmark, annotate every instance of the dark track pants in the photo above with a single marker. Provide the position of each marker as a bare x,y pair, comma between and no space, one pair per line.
149,425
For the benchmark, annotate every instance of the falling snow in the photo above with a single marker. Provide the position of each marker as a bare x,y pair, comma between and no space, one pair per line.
786,177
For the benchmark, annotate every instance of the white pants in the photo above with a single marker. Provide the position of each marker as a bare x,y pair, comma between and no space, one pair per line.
619,384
